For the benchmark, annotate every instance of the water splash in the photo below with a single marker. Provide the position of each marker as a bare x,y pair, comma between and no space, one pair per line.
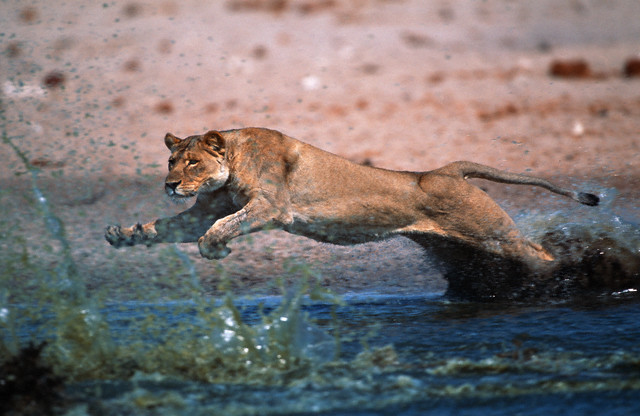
65,272
597,252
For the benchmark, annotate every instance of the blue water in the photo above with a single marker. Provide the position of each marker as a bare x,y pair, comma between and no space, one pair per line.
402,355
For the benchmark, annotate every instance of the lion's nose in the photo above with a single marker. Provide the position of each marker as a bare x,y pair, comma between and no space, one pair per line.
171,186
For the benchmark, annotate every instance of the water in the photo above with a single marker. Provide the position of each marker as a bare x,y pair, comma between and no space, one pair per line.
394,355
443,357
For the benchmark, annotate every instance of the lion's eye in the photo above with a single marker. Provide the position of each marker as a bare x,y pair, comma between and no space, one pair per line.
192,162
171,163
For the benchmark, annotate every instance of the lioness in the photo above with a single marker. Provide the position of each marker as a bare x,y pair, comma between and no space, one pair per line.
250,179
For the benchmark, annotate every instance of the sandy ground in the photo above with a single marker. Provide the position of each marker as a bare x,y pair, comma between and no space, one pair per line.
90,88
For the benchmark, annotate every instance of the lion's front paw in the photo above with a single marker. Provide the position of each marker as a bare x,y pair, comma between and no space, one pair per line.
212,251
115,236
128,236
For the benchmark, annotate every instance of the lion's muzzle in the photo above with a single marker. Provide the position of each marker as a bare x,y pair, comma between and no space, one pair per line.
170,188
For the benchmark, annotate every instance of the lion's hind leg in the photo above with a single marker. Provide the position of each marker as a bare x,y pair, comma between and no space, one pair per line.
479,248
461,211
475,274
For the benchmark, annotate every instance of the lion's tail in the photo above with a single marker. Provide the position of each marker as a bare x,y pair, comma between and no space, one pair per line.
475,170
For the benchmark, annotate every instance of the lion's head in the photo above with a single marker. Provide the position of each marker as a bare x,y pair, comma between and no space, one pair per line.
196,165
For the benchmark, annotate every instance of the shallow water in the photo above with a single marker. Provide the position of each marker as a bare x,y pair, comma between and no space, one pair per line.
396,355
444,357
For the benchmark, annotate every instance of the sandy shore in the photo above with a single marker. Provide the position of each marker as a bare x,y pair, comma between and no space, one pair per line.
89,90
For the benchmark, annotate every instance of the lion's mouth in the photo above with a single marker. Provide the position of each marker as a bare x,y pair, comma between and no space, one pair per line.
178,194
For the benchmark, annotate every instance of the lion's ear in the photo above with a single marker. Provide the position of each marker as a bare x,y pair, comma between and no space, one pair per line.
214,141
170,140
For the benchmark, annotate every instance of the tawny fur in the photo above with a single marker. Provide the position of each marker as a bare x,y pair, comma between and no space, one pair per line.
250,179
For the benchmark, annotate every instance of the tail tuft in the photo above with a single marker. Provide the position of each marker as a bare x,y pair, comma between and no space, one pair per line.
588,199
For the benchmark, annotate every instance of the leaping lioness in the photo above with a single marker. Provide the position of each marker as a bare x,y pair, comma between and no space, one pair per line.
249,179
